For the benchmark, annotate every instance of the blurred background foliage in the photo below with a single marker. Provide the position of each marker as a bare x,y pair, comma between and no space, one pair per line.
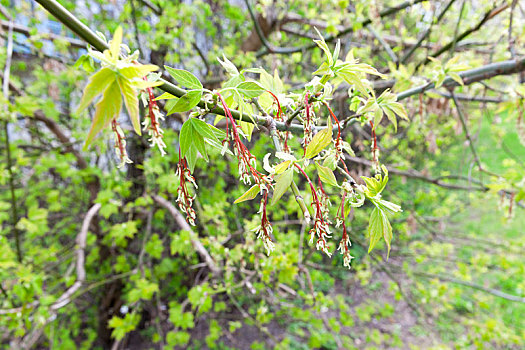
455,277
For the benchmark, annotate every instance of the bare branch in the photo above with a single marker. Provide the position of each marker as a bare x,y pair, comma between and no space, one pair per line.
471,76
197,245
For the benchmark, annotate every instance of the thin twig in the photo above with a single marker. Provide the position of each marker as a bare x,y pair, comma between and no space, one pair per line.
196,243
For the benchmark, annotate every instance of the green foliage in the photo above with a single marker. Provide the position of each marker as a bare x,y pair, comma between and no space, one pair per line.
148,278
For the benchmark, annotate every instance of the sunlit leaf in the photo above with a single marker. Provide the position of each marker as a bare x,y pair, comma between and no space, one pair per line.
248,195
322,139
281,167
107,108
115,43
186,102
132,103
282,184
326,175
378,227
250,89
185,78
97,84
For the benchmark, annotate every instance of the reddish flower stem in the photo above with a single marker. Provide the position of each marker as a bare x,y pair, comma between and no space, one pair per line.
242,151
119,138
314,194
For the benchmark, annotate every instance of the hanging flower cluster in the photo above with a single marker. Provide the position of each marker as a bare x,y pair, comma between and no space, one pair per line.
264,230
248,171
344,244
184,199
307,123
124,77
151,122
321,227
120,143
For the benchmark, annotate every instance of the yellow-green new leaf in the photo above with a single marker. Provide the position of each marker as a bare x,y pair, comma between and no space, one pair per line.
97,84
166,96
132,103
282,184
137,71
248,195
107,108
281,167
322,139
378,227
456,78
142,84
115,43
326,174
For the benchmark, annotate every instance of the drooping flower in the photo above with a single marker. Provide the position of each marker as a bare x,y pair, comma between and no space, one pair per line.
120,144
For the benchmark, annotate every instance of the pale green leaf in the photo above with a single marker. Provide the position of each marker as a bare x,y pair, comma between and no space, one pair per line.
282,183
281,167
131,101
379,227
191,158
398,109
203,128
456,78
189,100
250,89
322,139
166,96
391,116
142,84
248,195
115,43
326,175
198,142
107,108
185,78
137,71
97,84
228,66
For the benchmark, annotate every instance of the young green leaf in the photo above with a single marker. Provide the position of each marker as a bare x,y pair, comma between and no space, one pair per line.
281,167
248,195
228,65
137,71
131,101
97,84
326,175
322,139
203,128
281,185
322,44
165,96
191,158
378,227
198,142
186,102
185,78
115,43
107,108
250,89
185,135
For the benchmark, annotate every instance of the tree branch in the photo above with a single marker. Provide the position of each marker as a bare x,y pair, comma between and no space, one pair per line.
384,13
488,15
197,245
471,76
79,28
